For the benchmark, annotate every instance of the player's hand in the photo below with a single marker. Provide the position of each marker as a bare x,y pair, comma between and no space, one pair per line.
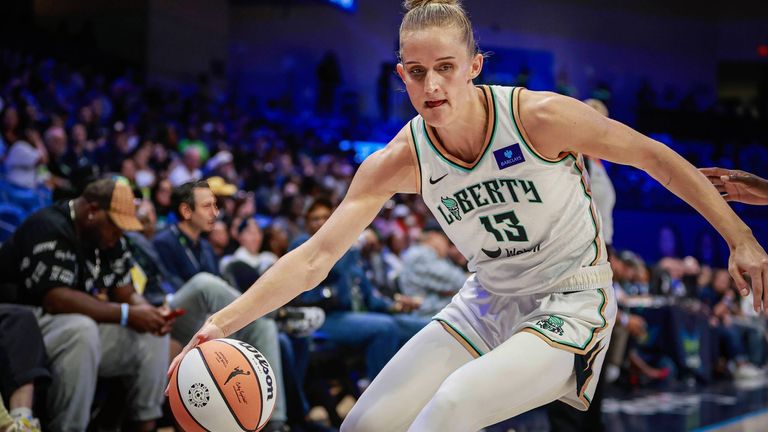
749,258
145,318
737,185
209,331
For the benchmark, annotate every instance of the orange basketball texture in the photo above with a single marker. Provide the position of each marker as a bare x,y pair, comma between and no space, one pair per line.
223,384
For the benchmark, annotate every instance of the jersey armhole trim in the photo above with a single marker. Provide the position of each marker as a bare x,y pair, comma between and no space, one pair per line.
517,123
415,154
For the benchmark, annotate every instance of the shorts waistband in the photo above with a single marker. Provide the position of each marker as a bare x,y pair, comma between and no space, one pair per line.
587,278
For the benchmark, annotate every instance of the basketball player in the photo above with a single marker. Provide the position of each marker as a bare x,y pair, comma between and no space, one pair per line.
502,171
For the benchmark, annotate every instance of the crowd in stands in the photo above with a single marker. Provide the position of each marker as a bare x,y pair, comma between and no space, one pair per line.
222,190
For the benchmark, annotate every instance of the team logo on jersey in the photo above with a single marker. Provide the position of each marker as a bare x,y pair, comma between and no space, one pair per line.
509,156
452,207
553,324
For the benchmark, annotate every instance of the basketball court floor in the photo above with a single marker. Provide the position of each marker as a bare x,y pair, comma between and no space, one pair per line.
719,407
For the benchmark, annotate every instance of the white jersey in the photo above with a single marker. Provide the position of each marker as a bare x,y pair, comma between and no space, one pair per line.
525,223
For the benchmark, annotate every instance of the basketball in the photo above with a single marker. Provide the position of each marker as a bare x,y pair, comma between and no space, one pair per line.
223,385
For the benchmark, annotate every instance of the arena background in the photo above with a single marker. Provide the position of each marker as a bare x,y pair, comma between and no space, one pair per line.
691,74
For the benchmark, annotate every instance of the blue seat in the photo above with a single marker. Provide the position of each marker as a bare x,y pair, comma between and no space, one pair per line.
11,216
28,199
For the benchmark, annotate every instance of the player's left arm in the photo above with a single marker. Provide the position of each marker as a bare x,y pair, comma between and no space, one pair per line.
557,124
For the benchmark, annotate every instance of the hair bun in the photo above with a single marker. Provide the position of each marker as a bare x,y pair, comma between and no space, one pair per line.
413,4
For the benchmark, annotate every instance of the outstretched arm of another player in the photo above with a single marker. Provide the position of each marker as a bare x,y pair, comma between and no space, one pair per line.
556,124
737,185
381,175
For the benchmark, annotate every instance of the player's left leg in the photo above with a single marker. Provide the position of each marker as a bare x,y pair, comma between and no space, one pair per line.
407,382
520,374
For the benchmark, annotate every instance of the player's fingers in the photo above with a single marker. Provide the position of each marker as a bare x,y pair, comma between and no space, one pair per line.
713,172
756,277
765,286
740,179
174,364
738,278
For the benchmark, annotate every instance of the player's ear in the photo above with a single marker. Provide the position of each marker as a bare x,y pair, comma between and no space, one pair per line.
477,66
400,71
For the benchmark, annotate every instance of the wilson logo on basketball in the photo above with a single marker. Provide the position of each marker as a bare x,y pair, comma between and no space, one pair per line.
198,395
264,367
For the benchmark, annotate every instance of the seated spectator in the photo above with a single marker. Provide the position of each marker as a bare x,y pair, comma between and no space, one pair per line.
428,274
188,169
161,198
667,278
383,264
23,186
355,314
192,268
273,246
219,239
722,301
69,261
635,282
242,267
22,367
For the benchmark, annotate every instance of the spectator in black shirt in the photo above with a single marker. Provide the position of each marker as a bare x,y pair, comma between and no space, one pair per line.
69,262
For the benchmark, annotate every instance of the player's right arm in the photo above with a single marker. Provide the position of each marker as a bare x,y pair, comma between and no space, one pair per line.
388,171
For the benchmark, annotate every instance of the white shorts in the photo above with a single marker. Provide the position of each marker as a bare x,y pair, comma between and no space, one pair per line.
579,322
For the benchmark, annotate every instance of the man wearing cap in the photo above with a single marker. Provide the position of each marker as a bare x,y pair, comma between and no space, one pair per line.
68,261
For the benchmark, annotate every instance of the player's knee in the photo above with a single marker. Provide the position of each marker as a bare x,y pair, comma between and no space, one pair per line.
449,399
364,420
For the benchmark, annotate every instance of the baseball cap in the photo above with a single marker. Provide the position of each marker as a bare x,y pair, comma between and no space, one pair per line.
115,195
220,187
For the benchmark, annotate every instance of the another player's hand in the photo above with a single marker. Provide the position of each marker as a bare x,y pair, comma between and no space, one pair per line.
145,318
737,185
209,331
749,258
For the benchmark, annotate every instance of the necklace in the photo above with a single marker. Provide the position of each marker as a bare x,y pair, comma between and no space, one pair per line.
95,270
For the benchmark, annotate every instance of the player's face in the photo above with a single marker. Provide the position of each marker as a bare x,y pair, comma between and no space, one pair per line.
437,70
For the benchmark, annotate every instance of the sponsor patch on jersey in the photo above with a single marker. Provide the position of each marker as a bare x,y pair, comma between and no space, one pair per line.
509,156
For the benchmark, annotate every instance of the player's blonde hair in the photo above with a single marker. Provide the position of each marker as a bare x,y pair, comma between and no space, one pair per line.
422,14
